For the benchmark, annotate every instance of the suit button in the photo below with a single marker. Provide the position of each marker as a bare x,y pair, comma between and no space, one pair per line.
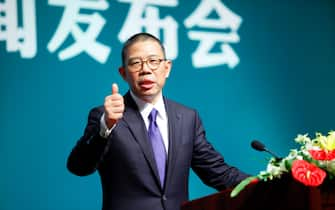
164,198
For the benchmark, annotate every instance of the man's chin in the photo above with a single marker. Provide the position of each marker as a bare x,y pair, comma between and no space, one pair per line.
149,96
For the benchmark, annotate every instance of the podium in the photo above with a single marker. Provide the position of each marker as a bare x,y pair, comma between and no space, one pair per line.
278,194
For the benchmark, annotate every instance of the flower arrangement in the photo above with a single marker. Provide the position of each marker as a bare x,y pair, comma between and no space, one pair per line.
310,165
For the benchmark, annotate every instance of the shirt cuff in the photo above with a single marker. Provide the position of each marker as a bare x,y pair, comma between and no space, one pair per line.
104,130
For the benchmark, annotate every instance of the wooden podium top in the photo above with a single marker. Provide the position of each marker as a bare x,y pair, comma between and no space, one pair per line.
279,194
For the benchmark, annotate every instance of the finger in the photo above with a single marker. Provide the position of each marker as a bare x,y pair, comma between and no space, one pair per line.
115,104
115,88
118,110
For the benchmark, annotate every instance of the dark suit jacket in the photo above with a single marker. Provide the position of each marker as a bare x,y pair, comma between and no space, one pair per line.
126,163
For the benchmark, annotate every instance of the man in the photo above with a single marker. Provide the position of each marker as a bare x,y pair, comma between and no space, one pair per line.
139,172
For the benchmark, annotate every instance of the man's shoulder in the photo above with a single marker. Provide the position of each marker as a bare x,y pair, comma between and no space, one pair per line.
178,106
97,110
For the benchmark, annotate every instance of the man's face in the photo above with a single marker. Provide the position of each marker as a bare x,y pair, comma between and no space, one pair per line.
145,69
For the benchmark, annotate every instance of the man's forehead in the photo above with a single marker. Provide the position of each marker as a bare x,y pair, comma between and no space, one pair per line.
148,47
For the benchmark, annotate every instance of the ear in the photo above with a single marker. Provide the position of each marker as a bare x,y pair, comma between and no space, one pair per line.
122,72
168,67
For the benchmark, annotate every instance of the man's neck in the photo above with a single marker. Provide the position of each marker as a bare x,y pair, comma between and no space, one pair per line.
147,99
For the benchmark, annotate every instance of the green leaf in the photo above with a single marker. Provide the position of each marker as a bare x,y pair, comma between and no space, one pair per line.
241,186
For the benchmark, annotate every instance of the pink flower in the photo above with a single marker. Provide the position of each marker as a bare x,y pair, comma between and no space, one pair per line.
306,173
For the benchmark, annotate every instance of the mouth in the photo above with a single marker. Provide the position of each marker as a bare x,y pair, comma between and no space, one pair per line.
146,84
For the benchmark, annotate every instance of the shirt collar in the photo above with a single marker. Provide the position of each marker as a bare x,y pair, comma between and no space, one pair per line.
145,107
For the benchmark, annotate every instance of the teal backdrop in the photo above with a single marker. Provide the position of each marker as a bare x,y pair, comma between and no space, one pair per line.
283,85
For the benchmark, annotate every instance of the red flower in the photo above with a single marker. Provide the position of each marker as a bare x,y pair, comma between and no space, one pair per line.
322,154
307,173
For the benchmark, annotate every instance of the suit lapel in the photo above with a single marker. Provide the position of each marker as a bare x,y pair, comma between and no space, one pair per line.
175,128
137,127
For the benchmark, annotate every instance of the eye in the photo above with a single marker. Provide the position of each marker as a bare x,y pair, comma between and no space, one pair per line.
154,61
134,62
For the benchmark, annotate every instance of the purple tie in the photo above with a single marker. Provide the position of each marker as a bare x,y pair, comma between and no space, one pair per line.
157,144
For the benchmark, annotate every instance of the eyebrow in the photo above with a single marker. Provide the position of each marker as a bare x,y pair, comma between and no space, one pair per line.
149,56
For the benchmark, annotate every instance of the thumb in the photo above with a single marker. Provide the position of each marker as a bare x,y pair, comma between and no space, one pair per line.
115,88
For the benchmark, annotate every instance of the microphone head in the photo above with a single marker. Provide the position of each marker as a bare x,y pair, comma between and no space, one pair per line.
258,145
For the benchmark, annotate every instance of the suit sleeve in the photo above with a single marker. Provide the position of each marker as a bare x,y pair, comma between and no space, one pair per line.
209,165
85,157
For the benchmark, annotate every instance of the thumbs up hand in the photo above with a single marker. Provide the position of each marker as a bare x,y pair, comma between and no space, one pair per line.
114,107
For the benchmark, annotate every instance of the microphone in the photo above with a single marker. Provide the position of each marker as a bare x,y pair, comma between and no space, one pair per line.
259,146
